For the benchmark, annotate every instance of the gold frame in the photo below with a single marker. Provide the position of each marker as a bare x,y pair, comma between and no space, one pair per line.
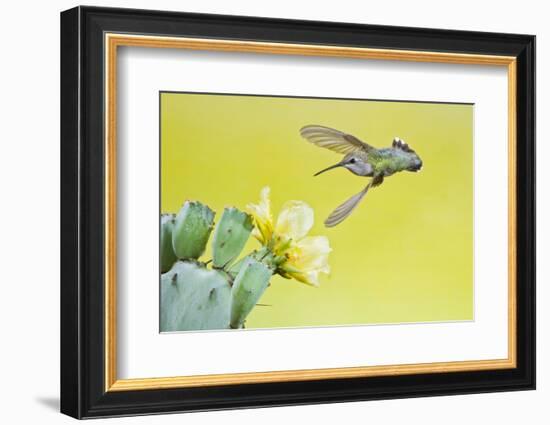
113,41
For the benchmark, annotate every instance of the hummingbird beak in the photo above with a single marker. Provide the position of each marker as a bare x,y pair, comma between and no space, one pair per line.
328,168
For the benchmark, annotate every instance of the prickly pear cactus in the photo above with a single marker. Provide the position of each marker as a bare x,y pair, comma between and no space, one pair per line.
230,236
192,227
194,298
248,287
167,254
220,295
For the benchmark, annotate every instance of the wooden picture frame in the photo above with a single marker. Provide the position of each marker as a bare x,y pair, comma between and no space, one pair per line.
90,39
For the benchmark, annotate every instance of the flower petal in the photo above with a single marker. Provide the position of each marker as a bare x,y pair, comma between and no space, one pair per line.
311,253
263,219
307,258
295,220
309,278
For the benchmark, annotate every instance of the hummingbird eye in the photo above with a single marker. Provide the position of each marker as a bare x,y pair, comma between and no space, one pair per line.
352,161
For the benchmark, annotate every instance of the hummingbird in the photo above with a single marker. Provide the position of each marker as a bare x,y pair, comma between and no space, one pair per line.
362,160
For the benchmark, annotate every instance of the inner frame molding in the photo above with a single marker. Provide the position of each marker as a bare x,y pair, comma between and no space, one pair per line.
111,43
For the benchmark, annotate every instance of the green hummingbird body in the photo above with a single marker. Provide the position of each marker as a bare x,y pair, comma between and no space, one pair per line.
363,160
392,160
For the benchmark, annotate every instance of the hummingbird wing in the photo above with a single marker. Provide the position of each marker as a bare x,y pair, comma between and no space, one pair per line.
345,209
335,140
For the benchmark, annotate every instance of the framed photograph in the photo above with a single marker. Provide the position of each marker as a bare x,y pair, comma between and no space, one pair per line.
261,212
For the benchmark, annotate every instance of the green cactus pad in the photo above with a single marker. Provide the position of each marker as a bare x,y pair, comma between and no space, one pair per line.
167,255
248,287
233,271
230,236
192,228
194,298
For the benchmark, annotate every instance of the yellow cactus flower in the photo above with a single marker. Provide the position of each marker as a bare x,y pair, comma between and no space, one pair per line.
262,217
302,257
307,258
295,220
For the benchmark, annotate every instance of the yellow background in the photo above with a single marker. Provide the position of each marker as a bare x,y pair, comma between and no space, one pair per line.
404,255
